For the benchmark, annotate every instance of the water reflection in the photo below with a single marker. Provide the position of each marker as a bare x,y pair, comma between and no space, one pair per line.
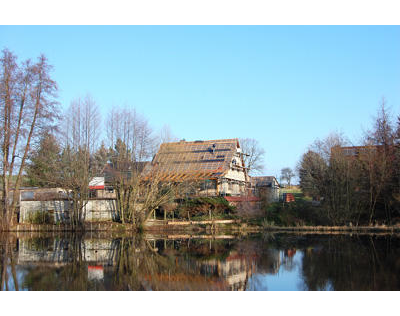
257,262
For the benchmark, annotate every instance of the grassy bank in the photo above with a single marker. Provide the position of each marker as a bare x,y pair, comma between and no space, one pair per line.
305,215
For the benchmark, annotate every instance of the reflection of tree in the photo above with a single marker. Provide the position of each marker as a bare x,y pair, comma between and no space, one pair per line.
136,263
8,264
358,263
66,272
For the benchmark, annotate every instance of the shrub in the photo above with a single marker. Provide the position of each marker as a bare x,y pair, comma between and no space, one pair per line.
40,217
297,213
200,207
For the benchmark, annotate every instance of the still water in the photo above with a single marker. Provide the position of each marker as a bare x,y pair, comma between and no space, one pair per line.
277,261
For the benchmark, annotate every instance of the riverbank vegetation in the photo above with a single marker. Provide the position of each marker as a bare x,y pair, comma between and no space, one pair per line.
204,208
359,184
344,185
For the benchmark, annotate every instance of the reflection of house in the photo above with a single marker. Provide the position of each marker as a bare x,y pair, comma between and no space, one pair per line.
230,274
236,269
216,165
266,187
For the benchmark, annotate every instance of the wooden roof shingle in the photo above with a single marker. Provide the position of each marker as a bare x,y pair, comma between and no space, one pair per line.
195,160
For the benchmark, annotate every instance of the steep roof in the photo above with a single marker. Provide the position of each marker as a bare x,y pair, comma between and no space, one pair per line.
264,181
195,160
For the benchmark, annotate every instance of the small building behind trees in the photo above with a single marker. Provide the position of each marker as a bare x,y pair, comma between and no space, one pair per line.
266,187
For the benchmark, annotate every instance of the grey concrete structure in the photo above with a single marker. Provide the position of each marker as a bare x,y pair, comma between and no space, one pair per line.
94,210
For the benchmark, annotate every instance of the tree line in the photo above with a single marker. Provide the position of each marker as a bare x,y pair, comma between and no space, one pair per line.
42,145
356,185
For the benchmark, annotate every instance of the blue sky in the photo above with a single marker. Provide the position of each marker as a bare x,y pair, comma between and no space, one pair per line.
282,85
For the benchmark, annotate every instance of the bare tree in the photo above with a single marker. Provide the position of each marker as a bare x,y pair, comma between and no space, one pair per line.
28,107
138,185
82,124
325,172
383,132
165,135
75,166
133,130
287,174
379,161
253,155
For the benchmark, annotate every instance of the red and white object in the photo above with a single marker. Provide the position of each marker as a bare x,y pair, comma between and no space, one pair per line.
97,183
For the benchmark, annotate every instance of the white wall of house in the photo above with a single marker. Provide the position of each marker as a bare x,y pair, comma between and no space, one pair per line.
95,210
273,194
238,175
234,181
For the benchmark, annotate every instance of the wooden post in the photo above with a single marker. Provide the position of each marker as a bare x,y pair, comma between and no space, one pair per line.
154,214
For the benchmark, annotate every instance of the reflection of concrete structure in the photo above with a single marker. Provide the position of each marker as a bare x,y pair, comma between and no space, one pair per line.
62,251
95,273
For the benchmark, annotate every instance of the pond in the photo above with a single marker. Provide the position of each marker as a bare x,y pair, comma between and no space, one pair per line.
268,261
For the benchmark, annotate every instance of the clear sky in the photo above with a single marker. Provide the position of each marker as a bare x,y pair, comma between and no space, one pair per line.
284,86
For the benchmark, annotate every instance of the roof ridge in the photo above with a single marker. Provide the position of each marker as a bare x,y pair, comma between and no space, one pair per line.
204,141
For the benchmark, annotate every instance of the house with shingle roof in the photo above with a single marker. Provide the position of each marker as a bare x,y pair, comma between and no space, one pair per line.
266,187
216,165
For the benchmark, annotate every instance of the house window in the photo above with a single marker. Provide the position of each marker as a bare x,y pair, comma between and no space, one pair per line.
27,195
209,185
92,194
110,190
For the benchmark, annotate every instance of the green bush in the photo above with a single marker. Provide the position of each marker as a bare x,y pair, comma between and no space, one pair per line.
200,207
297,213
40,217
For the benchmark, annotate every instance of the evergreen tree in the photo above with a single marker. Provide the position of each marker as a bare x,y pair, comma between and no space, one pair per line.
43,161
100,159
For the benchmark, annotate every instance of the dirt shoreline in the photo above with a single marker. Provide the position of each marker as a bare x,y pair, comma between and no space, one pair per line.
200,227
336,228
